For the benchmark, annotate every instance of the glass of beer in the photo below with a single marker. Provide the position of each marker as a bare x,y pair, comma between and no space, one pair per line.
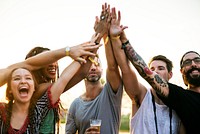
95,123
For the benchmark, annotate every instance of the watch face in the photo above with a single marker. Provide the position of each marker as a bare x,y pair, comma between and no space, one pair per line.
67,50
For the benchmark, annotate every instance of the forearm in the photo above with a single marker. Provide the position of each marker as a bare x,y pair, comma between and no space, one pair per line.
45,58
120,56
131,83
80,75
158,84
111,61
67,74
33,63
112,67
3,76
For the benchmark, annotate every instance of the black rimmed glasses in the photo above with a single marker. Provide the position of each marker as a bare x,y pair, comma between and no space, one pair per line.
188,62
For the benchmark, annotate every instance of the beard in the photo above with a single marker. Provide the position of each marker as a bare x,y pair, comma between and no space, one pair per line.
191,79
93,78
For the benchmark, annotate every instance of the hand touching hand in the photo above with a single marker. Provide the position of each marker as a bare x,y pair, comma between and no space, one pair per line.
83,50
102,25
115,28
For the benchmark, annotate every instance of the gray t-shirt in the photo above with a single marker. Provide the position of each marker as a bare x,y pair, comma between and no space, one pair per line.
106,106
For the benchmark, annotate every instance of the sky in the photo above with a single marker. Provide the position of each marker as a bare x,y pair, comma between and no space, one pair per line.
167,27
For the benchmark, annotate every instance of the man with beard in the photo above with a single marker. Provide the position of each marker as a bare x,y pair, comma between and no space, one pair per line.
190,80
186,103
98,102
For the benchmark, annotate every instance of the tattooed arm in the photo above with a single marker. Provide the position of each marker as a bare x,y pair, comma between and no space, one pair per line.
158,84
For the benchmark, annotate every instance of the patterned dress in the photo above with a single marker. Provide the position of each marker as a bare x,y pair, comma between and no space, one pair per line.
42,107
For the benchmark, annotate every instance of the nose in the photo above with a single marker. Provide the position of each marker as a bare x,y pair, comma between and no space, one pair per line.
156,70
23,80
53,64
93,67
193,63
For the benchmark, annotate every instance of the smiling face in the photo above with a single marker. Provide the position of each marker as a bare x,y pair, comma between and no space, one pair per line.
191,69
49,71
22,85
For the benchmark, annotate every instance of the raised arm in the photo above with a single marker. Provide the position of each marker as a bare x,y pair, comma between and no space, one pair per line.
45,58
33,63
134,89
59,86
112,72
158,84
83,71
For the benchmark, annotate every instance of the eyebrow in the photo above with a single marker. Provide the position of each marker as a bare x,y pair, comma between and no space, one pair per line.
192,58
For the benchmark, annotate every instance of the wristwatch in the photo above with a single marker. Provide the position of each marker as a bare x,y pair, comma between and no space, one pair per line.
67,50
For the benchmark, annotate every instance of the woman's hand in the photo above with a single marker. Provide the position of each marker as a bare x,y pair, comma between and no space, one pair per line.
83,50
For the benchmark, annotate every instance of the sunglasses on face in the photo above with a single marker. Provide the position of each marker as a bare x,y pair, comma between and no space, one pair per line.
188,62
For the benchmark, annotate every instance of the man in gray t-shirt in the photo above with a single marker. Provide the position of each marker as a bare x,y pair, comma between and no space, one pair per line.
106,106
99,101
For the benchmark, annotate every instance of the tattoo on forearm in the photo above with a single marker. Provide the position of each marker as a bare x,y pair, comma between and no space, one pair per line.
161,84
156,82
135,59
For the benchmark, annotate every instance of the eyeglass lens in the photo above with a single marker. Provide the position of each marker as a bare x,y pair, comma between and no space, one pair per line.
188,62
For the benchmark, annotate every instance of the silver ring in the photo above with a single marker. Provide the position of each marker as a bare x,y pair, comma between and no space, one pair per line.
102,17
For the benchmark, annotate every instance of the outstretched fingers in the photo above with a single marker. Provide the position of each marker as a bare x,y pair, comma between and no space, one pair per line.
95,37
119,16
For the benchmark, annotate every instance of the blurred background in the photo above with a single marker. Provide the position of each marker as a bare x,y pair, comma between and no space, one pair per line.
155,27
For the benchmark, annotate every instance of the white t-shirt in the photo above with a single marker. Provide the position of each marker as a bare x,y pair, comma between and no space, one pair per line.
143,122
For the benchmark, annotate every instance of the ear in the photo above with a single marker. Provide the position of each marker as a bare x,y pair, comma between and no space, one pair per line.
170,74
181,70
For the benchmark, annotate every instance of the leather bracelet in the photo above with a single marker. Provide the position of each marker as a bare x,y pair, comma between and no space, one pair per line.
124,44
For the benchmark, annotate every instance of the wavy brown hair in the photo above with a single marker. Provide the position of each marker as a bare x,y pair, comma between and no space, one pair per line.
40,77
10,98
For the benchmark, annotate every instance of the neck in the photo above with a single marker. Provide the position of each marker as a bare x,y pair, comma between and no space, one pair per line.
93,89
23,108
193,88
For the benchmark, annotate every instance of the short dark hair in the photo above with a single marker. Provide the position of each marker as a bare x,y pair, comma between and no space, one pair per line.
164,59
181,62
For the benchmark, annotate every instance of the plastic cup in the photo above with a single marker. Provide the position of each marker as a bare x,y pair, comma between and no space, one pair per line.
96,123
